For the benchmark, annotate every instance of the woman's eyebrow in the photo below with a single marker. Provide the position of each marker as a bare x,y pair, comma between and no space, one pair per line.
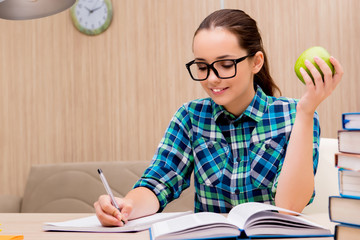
224,56
200,59
219,57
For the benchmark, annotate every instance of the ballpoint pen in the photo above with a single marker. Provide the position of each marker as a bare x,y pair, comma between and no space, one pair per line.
108,190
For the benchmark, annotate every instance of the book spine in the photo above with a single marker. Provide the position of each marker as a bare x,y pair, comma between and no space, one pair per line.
344,121
336,159
336,231
329,206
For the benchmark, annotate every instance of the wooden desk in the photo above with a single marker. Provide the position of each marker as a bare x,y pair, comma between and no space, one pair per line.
30,225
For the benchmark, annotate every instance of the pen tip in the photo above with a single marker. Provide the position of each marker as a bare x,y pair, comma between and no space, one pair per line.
99,171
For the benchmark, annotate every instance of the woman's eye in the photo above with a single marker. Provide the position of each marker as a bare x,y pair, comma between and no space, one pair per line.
201,67
227,64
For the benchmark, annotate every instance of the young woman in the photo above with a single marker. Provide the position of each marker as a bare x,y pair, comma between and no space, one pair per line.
242,144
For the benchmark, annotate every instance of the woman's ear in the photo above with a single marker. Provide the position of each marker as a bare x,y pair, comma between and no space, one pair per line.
258,61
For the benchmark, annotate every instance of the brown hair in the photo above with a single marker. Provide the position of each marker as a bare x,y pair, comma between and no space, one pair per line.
245,28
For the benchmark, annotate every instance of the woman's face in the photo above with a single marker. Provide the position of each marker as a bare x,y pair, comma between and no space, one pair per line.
235,93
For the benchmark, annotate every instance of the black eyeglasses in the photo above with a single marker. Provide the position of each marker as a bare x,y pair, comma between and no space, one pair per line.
225,68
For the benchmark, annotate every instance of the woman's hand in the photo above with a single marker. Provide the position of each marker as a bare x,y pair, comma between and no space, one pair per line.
109,215
315,94
139,202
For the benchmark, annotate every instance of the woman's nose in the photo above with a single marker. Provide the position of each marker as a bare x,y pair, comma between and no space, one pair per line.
213,77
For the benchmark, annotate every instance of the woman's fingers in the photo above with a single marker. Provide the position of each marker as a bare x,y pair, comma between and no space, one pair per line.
107,214
339,72
320,89
126,208
106,219
315,73
327,75
308,81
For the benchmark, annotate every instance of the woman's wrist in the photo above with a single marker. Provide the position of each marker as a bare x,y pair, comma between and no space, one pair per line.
143,202
305,112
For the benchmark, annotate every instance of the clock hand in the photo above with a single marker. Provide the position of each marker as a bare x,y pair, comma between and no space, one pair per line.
93,10
90,11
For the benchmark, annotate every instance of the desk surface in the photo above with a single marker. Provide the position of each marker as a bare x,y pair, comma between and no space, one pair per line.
30,225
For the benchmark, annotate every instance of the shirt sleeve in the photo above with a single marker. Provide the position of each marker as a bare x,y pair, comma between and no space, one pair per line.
316,143
171,167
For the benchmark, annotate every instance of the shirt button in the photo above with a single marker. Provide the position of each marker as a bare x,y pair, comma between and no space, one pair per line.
238,159
210,145
237,191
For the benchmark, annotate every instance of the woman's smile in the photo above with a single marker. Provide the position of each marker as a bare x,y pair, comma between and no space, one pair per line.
218,91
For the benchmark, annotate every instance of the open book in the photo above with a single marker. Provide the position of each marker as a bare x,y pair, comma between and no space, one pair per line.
247,220
92,224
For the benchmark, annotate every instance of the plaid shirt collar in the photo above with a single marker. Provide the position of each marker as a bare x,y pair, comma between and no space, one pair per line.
255,110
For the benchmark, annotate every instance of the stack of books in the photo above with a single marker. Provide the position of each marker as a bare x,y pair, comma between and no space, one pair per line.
345,209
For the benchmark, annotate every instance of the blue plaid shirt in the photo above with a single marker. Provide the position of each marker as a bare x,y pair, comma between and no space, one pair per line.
234,159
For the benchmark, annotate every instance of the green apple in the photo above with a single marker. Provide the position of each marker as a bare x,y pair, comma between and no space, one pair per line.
309,54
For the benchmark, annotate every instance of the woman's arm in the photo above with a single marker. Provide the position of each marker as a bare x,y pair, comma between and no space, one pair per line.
296,180
160,176
137,203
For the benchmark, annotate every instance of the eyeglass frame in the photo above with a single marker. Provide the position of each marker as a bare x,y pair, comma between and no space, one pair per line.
211,66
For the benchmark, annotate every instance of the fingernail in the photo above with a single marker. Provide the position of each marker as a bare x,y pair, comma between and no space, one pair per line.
316,58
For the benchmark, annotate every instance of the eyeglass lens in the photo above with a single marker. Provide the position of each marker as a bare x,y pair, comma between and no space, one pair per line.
224,69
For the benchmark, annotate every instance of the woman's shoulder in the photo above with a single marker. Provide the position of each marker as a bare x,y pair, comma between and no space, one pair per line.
281,107
272,103
279,103
195,109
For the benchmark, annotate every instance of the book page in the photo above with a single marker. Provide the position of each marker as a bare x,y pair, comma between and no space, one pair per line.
240,213
280,219
194,223
92,224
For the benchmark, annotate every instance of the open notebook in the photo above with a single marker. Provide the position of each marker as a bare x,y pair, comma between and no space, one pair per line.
92,224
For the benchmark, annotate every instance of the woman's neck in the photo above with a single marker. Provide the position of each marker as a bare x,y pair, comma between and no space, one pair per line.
239,106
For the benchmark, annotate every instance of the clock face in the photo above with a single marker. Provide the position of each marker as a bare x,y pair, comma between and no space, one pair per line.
91,17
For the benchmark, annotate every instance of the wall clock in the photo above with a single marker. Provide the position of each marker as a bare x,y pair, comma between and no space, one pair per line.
92,17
